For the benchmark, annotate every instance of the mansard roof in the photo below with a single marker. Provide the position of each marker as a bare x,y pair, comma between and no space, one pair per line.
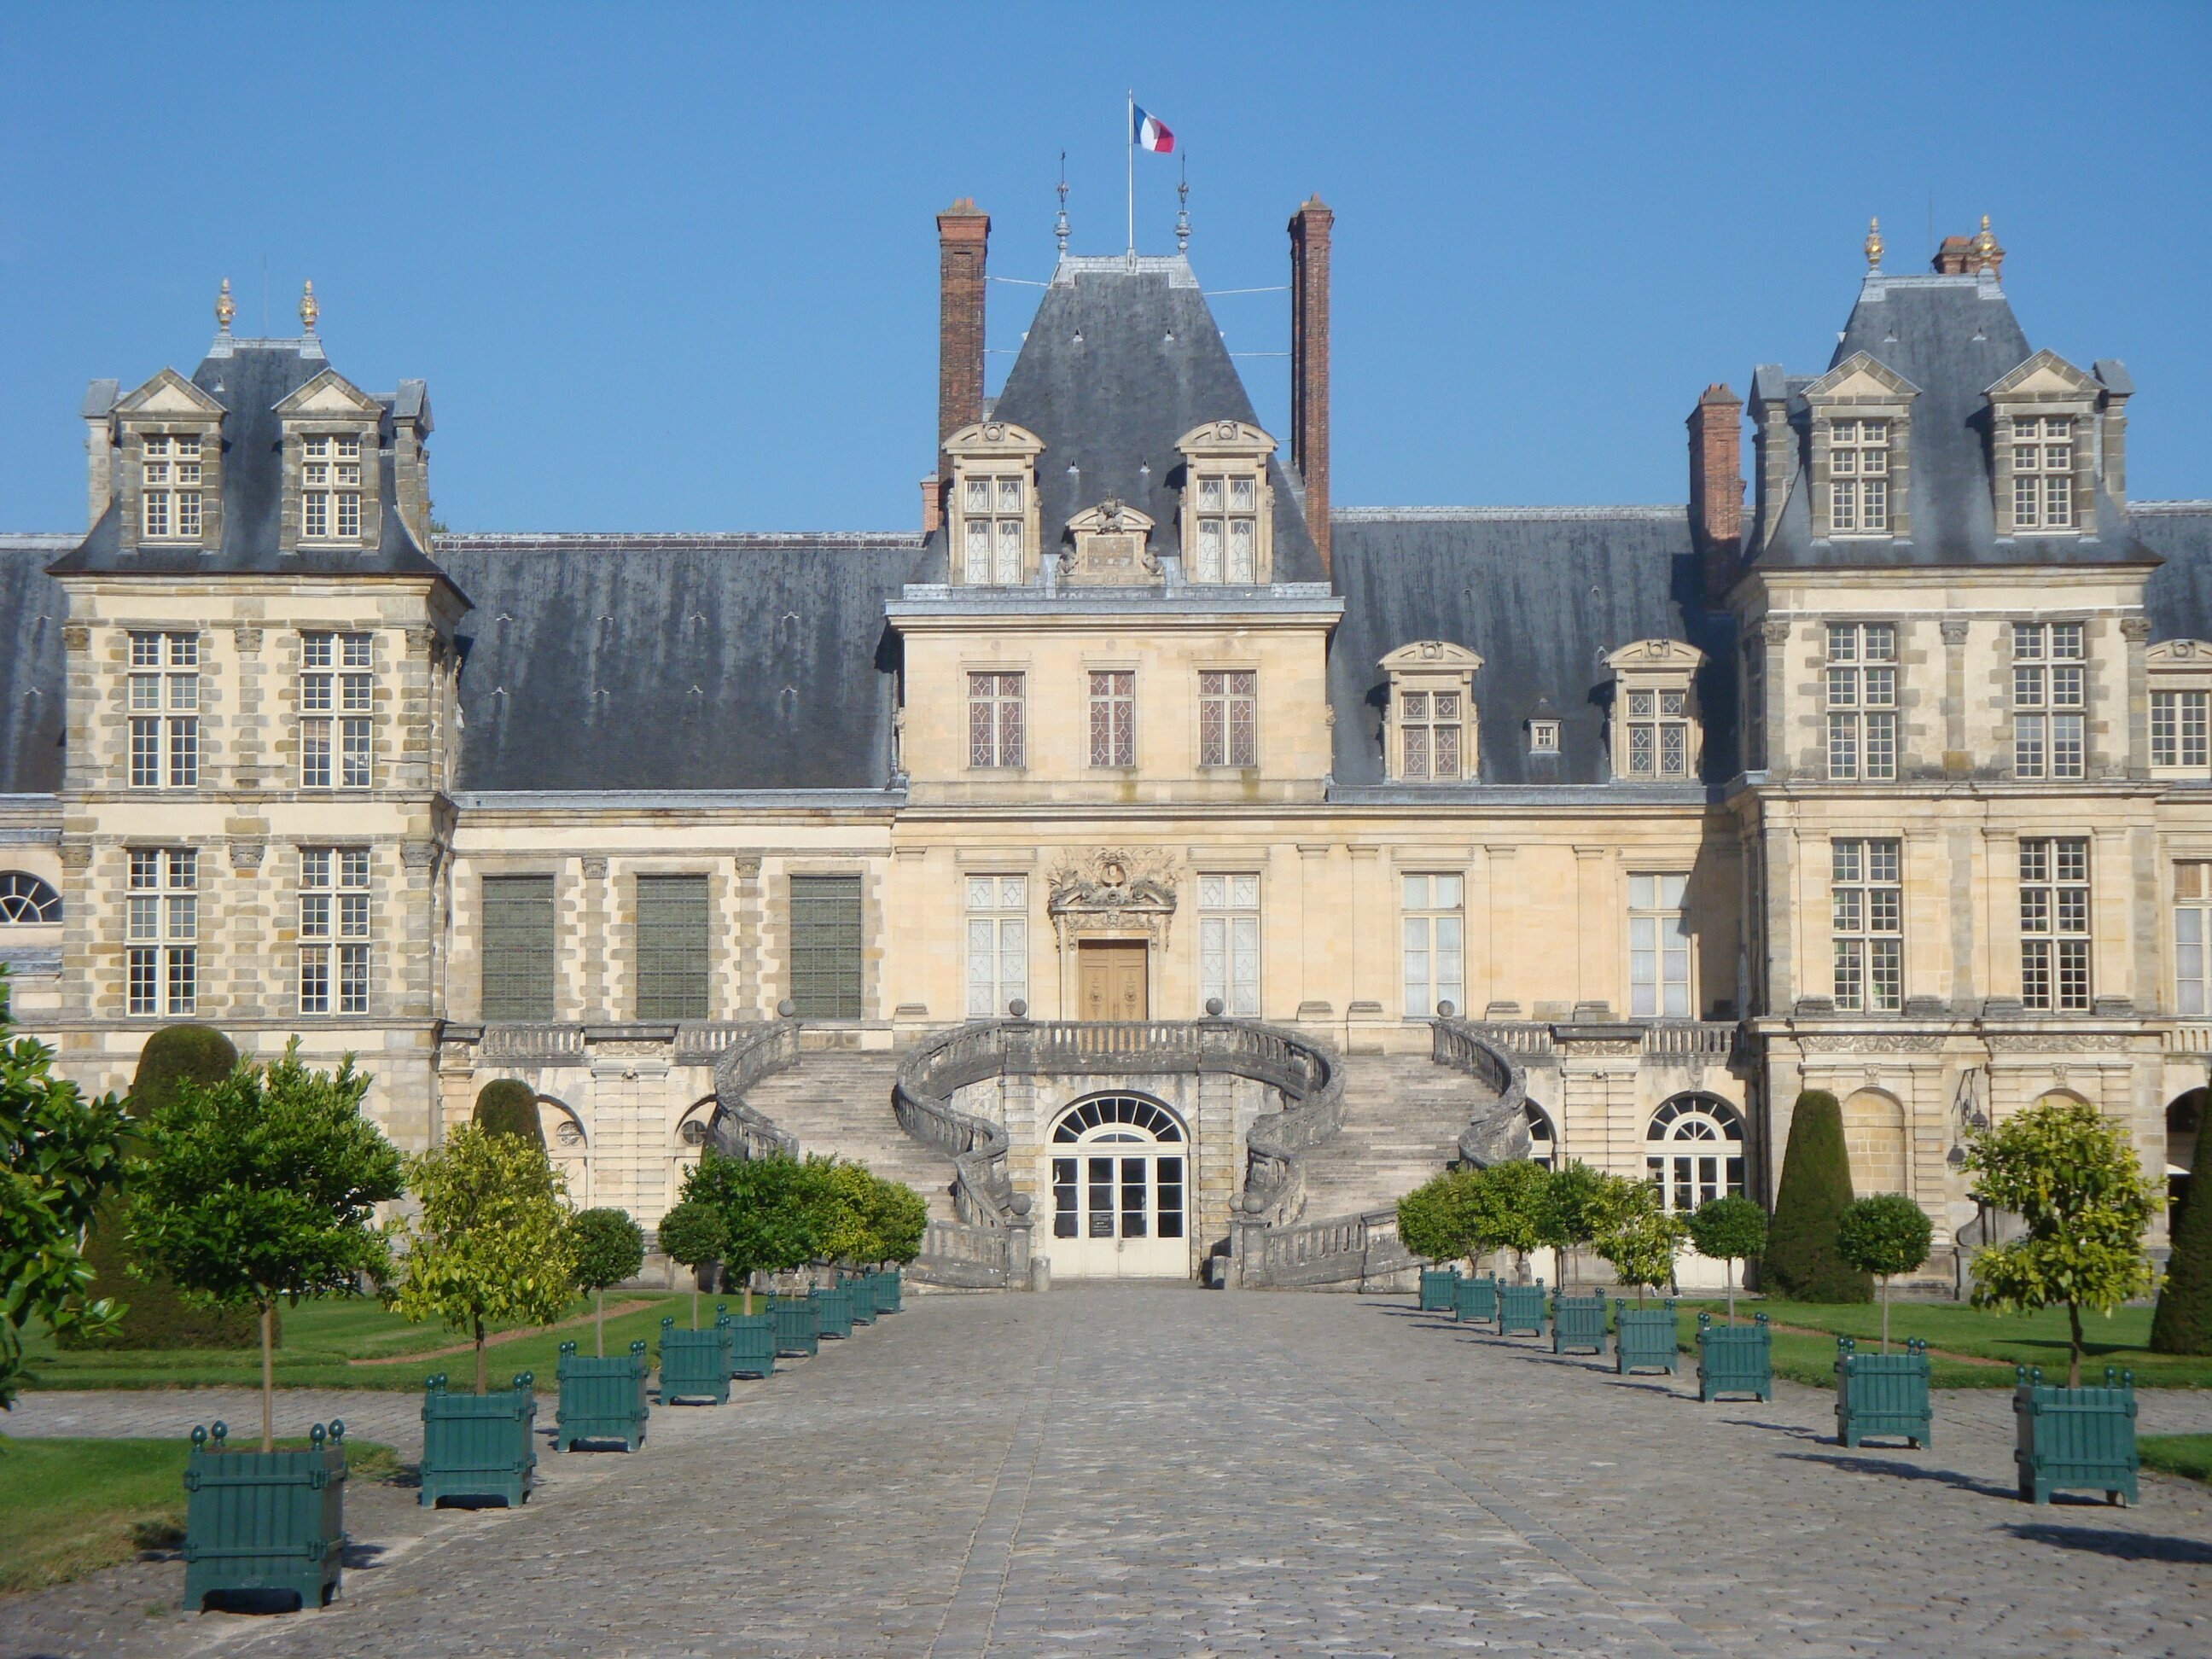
33,682
1545,595
1951,339
1123,358
2178,597
249,378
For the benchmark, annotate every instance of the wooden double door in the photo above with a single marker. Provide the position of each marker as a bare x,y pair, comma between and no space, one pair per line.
1110,980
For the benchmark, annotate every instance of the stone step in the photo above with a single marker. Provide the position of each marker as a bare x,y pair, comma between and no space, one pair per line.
838,1102
1403,1116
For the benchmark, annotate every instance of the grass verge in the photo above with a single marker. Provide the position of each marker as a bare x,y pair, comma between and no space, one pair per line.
2177,1454
71,1507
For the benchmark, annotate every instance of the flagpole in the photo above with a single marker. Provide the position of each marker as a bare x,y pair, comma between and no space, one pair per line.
1129,139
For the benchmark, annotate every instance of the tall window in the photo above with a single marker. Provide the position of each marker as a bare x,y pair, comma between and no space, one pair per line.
995,719
2042,473
2054,924
2178,729
825,946
1229,943
1867,898
162,919
674,930
518,948
1658,948
1228,529
165,701
1428,729
1693,1152
993,511
169,497
1112,717
334,929
1436,944
1228,717
337,692
1658,734
330,488
997,944
2192,934
1858,470
2049,695
1861,687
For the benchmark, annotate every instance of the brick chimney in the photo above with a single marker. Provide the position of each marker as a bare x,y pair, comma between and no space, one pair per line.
1309,233
1717,487
1969,256
964,233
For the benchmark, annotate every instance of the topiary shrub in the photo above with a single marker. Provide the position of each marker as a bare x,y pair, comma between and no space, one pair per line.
156,1314
2183,1323
1801,1261
508,1106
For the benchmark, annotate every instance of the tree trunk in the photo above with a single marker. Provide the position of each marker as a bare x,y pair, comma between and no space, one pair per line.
1727,1278
2073,1352
268,1380
695,1298
1885,1313
480,1348
599,1324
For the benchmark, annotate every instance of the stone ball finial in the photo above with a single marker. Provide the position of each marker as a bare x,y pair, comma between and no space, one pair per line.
786,1009
1213,1007
1018,1008
1446,1009
1019,1203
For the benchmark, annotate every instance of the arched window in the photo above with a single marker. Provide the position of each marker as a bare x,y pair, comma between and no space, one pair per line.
1693,1151
25,900
2183,1120
1873,1139
1117,1117
1543,1142
1120,1187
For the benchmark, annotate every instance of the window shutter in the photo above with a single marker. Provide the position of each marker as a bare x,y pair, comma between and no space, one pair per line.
825,946
672,949
518,948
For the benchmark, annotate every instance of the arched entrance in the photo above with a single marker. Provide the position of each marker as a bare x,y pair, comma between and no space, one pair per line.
2183,1120
1121,1190
1694,1153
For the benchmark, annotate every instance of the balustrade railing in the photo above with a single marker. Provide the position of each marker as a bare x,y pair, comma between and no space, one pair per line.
537,1043
1332,1251
755,1050
1500,1131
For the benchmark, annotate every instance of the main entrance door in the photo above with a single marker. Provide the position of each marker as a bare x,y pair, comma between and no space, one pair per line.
1119,1190
1109,979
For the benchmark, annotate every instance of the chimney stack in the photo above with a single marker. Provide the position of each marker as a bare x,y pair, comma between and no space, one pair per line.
964,234
1969,256
1309,233
1717,487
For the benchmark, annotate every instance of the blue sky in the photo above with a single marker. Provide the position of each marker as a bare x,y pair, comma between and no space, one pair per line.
673,267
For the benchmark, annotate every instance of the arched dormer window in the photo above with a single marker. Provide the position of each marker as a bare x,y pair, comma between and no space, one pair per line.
1657,736
1228,509
992,516
1430,737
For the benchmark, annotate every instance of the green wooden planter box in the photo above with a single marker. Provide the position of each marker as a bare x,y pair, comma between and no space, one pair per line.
1734,1358
1521,1309
1577,1324
1643,1339
1436,1291
1882,1393
478,1445
751,1338
891,1291
264,1521
835,1305
694,1364
602,1398
798,1325
862,1289
2076,1439
1474,1300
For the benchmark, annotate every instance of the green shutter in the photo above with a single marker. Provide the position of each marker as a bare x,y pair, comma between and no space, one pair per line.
671,947
518,948
825,946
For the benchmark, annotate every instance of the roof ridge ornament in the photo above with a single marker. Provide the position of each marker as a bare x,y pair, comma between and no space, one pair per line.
225,309
1984,244
1874,244
309,311
1060,225
1183,207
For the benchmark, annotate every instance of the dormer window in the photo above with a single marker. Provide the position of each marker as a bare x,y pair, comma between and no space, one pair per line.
1227,506
994,517
1430,736
2043,472
992,513
1859,473
1657,738
330,487
1543,737
1228,529
169,497
1862,431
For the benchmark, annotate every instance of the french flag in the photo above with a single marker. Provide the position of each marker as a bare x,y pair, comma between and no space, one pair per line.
1151,132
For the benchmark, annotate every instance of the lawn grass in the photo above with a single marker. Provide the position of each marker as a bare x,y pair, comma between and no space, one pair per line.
2177,1454
1958,1335
321,1338
70,1507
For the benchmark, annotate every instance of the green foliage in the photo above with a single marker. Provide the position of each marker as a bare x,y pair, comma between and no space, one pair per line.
261,1186
1801,1261
2069,1174
60,1154
898,1216
506,1106
1585,1205
1886,1235
157,1315
2183,1323
1728,1230
773,1214
607,1245
1431,1219
491,1243
1639,1237
695,1233
1510,1207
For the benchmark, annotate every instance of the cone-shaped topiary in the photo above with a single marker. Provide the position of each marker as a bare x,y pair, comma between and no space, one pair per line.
508,1106
154,1314
1801,1260
2183,1323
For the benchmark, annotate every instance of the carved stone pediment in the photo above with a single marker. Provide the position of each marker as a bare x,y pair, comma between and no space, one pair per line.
1111,545
1112,892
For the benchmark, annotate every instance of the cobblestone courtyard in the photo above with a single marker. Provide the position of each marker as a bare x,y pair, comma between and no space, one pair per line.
1166,1471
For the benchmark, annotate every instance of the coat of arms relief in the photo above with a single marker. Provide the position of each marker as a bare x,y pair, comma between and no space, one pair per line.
1112,890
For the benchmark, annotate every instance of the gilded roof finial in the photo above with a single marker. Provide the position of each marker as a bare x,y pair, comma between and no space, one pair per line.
224,308
1873,245
1984,244
1060,225
1183,207
308,309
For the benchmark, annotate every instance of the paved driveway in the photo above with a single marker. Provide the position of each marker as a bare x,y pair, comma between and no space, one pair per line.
1132,1470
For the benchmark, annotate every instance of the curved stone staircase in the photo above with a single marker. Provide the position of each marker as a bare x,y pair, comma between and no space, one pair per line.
839,1101
1403,1116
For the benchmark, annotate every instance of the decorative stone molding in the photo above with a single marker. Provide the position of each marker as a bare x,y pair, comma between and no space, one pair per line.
246,636
76,852
418,854
76,637
1870,1042
247,855
595,869
1775,630
1955,630
2135,630
1109,545
1112,892
2062,1042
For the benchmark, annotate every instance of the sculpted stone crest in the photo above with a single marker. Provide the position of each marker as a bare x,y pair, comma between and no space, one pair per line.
1112,890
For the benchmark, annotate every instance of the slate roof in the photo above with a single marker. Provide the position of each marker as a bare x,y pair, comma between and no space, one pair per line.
1952,337
1542,595
601,662
249,378
1117,365
2179,595
31,608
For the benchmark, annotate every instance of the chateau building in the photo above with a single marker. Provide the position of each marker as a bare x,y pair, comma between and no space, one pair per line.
1162,866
